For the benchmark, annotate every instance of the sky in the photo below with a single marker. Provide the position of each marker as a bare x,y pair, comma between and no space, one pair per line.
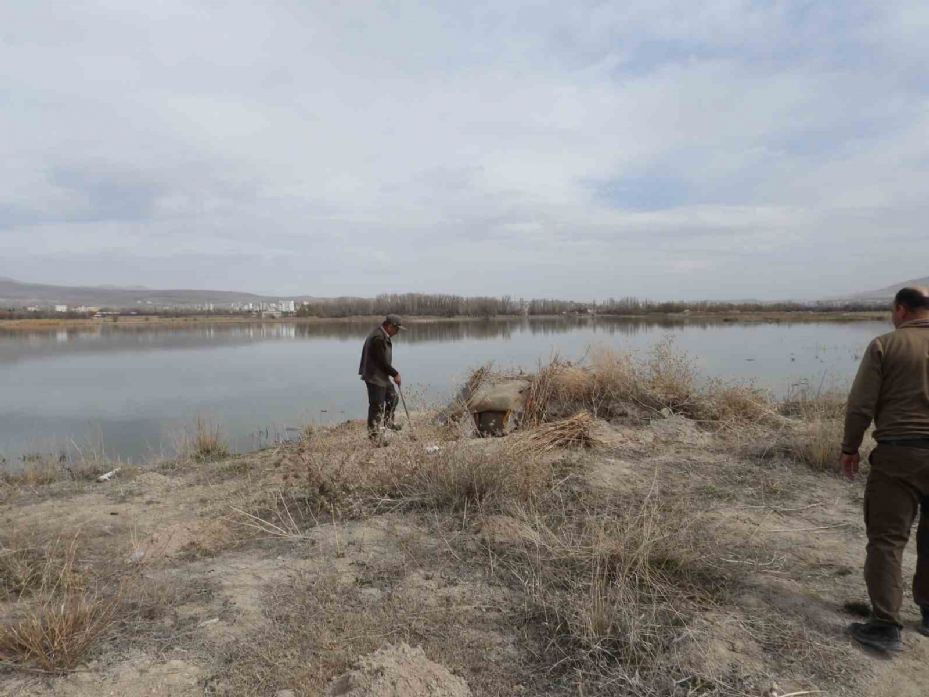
584,150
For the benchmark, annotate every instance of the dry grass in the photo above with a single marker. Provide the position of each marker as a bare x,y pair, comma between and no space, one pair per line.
42,472
613,588
480,478
30,567
68,599
56,635
817,443
58,618
812,431
205,443
611,384
573,432
542,390
349,482
413,589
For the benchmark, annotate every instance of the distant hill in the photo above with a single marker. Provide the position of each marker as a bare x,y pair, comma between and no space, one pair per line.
886,294
16,294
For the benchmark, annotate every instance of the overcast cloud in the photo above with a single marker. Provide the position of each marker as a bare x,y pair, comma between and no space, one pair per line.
718,149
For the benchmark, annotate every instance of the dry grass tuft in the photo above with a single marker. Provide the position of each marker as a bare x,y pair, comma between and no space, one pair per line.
735,405
613,384
573,432
206,442
41,472
814,428
62,619
30,568
478,478
542,390
613,589
816,443
57,634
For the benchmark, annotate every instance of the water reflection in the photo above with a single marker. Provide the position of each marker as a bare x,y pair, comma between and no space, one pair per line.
24,345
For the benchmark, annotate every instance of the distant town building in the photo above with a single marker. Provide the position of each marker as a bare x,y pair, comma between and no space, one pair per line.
61,308
288,306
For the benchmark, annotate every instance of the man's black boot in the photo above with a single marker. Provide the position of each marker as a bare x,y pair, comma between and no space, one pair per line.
883,637
924,625
395,426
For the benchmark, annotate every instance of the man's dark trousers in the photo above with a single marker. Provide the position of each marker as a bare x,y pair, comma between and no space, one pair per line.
898,487
382,401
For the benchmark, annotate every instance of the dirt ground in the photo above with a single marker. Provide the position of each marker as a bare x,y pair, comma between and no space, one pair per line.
252,592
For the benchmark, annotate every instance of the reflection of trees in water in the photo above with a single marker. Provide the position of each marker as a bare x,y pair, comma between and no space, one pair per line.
22,345
424,332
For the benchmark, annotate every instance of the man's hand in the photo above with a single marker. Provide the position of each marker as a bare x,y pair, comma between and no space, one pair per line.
850,464
397,379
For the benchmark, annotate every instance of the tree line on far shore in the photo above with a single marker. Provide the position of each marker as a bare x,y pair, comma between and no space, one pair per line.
438,305
420,304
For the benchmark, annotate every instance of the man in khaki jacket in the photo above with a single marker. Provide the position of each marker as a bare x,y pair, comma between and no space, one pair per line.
892,390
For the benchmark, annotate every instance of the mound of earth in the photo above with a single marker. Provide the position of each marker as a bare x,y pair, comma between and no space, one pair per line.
398,671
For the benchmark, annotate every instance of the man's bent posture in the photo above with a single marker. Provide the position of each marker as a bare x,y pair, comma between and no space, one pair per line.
892,390
377,371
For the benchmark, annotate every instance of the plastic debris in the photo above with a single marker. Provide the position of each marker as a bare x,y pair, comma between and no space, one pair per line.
108,476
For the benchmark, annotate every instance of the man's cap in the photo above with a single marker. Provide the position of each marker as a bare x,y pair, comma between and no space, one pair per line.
395,320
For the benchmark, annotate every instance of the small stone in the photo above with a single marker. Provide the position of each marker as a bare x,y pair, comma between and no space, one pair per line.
285,693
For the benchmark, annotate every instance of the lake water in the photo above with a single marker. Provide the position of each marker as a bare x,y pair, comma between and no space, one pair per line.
131,392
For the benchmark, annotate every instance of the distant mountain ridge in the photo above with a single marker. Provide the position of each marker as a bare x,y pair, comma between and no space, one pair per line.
18,294
15,293
887,293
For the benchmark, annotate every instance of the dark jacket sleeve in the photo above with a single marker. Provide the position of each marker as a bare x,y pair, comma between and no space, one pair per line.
379,356
862,400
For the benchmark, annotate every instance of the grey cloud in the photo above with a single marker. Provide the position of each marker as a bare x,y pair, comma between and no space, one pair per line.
568,148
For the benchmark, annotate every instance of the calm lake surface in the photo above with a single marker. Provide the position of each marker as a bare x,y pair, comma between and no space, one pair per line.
132,392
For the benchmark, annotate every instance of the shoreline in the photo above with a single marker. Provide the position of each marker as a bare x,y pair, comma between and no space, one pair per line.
136,322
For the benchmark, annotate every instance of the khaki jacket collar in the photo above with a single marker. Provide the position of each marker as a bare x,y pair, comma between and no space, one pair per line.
921,323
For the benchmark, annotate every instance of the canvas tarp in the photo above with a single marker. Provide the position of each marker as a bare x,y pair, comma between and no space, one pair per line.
507,395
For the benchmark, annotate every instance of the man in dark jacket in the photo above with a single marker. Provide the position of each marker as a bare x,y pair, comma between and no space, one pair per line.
377,371
892,390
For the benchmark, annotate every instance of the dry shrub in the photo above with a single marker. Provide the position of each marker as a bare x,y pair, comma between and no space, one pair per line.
58,633
817,443
542,389
817,431
605,388
28,567
33,474
485,478
205,442
728,404
671,379
611,587
616,384
62,619
341,475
